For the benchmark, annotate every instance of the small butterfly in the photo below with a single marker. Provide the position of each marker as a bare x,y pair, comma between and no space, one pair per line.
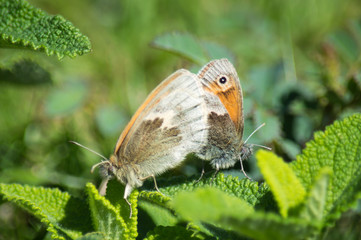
170,124
225,120
186,113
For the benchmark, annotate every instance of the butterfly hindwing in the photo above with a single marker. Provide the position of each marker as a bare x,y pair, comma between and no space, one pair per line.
224,101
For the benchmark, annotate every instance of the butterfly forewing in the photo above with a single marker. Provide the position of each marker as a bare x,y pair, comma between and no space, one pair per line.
170,126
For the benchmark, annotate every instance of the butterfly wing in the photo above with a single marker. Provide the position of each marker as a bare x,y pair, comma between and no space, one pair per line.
224,101
170,124
220,78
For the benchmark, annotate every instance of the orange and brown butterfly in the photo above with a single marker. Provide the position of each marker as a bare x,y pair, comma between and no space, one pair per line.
225,120
170,124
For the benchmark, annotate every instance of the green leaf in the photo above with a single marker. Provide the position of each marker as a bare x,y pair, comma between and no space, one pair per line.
25,72
106,217
260,225
24,26
286,188
156,206
190,47
339,148
156,198
212,206
216,51
316,199
66,217
92,236
177,232
65,100
160,216
115,195
209,204
183,44
245,189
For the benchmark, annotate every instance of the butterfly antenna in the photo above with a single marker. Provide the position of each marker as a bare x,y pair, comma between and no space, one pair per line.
90,150
261,146
254,132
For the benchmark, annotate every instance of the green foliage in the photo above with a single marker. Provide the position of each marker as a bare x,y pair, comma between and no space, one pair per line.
25,72
299,67
189,47
24,26
66,99
337,148
284,184
314,206
177,232
193,207
108,218
66,217
310,197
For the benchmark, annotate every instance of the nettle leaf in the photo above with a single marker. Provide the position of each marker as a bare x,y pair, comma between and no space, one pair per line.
66,217
209,204
205,207
115,195
339,148
159,206
92,236
176,232
245,189
160,216
260,225
24,26
286,188
316,199
190,47
182,44
214,207
107,218
156,197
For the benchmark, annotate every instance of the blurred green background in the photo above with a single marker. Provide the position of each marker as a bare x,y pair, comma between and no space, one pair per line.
298,62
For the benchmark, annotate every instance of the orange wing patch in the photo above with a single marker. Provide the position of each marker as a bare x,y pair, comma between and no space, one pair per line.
229,93
231,99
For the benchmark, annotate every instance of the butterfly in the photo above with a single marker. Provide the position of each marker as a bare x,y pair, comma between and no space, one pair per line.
224,101
186,113
170,124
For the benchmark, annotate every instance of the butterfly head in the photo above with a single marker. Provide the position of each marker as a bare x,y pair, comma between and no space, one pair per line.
246,151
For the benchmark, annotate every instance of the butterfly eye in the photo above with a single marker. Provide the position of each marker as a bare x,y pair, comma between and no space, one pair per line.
223,80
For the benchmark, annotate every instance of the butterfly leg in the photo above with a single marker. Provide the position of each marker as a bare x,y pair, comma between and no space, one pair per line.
103,186
215,174
127,191
155,183
242,169
202,173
